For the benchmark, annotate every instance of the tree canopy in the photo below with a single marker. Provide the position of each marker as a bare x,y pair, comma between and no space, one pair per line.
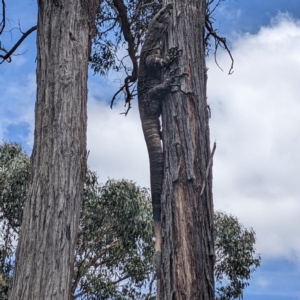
235,256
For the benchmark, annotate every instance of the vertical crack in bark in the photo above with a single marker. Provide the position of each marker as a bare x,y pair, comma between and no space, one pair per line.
187,213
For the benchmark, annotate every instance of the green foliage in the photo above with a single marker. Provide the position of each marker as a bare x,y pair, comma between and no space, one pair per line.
6,266
115,248
235,256
14,179
14,175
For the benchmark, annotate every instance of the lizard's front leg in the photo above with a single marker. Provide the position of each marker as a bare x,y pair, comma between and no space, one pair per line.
155,60
156,94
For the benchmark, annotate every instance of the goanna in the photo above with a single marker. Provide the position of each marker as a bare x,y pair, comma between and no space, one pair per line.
151,91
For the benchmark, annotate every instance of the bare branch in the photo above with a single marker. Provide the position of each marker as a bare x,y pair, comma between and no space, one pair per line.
111,27
2,23
80,294
9,53
115,95
113,282
94,263
211,11
219,41
125,27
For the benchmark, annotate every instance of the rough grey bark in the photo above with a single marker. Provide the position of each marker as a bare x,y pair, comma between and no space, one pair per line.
45,252
187,207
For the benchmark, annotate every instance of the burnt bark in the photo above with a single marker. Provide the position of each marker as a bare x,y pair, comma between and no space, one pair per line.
45,252
187,211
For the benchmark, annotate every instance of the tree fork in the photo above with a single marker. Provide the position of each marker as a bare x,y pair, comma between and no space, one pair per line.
187,214
45,252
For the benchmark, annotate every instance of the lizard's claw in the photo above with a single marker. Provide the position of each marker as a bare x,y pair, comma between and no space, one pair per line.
172,54
173,72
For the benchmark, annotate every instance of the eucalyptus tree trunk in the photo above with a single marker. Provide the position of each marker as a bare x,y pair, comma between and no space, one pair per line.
45,252
187,205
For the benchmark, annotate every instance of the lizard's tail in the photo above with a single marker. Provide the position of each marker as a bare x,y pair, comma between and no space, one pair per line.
157,233
151,128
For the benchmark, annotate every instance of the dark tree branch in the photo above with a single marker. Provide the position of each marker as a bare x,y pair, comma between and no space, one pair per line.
208,4
2,23
111,27
116,94
113,282
80,294
219,41
91,263
9,53
133,33
125,27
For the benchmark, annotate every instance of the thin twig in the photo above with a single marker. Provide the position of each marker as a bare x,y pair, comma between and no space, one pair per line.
115,95
8,54
2,24
128,36
218,41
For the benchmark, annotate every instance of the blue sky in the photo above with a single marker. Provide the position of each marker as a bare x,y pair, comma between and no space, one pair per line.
255,121
253,13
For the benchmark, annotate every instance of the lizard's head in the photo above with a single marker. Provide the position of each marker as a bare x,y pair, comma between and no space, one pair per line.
164,15
160,22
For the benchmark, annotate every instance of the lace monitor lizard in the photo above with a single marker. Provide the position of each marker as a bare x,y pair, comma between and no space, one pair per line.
152,89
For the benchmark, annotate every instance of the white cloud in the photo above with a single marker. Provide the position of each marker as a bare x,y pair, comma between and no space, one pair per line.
116,143
18,97
229,14
263,282
255,120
